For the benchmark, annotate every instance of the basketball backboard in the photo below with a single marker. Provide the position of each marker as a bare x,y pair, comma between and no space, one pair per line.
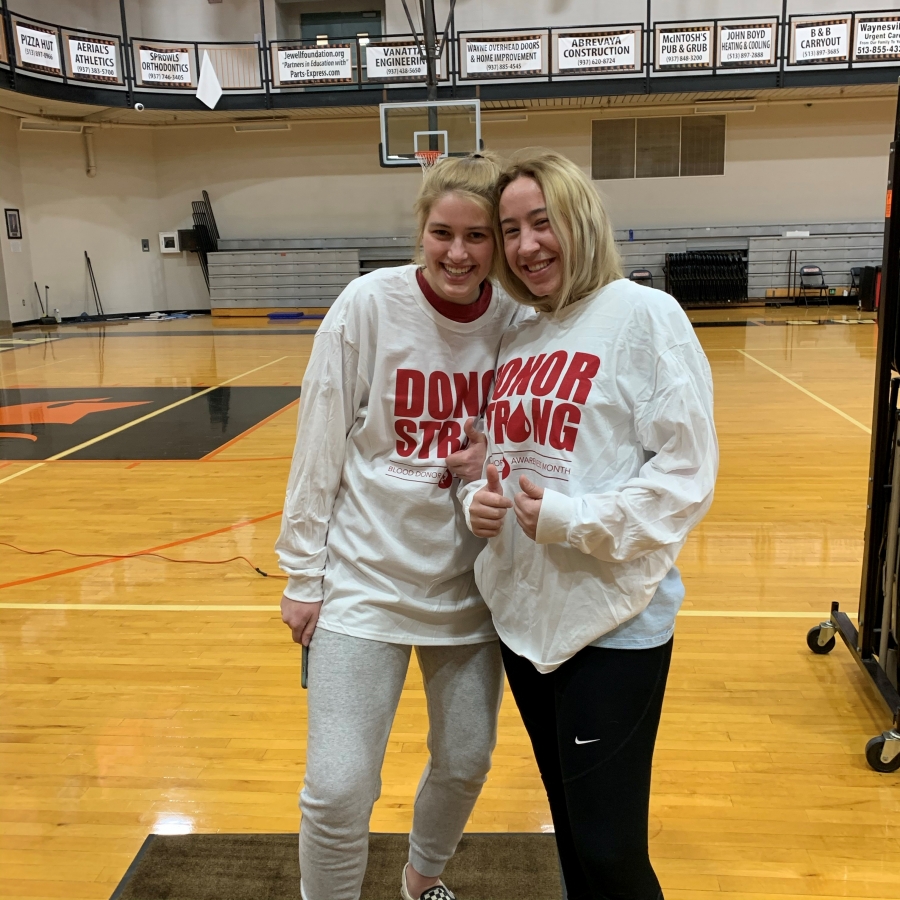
452,127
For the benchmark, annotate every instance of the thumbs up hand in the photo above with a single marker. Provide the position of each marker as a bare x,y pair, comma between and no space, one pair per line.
468,463
489,506
528,506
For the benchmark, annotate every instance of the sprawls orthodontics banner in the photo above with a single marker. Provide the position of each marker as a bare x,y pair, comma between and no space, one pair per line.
170,67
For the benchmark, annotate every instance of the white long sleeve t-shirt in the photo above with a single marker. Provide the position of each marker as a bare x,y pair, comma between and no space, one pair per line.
608,406
372,524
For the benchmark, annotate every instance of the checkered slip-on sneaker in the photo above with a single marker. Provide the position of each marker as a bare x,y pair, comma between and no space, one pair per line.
439,892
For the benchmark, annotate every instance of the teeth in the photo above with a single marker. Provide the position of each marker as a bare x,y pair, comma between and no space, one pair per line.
537,267
454,271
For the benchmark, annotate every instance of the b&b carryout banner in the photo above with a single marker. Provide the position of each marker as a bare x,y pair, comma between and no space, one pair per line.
821,40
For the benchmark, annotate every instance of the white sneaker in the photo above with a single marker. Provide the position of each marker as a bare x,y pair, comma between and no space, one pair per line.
439,892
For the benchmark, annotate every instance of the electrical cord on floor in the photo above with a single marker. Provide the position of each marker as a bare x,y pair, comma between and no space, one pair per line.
204,562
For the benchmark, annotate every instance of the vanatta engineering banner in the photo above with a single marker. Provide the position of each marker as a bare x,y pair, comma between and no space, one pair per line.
503,56
94,59
877,38
397,62
684,47
614,50
822,41
38,48
330,64
170,67
747,45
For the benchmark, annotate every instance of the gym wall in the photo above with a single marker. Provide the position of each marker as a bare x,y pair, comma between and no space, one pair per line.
784,164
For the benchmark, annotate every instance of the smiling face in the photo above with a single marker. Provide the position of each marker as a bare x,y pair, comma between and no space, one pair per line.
458,246
532,249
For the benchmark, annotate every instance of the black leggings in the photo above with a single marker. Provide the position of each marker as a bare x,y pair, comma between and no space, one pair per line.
593,723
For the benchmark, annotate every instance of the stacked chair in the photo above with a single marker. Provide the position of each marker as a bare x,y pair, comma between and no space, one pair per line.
707,277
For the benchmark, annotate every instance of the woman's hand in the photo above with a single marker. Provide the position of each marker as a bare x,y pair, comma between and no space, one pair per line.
468,463
489,506
301,618
528,506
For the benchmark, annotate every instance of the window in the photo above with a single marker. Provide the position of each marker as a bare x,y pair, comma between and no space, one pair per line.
337,26
663,147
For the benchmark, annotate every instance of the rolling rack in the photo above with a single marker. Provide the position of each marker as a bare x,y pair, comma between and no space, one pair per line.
874,644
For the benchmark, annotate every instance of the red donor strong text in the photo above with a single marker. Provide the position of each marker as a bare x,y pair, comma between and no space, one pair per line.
553,389
429,410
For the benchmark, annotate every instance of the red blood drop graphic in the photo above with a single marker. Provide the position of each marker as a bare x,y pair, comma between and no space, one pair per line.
518,428
446,481
505,469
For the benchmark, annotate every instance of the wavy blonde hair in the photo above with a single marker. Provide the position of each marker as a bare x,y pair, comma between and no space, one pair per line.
590,258
473,177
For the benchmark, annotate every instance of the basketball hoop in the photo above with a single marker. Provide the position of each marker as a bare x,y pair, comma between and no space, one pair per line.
428,159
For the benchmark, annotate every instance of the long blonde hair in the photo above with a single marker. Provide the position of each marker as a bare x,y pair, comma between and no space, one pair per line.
472,177
590,258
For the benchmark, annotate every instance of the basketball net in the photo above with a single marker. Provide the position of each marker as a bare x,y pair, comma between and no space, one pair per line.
428,159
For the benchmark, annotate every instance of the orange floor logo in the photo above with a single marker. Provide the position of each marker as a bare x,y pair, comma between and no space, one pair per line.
60,412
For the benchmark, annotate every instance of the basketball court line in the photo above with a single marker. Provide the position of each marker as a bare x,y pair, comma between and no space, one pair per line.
802,389
199,607
138,421
136,554
214,453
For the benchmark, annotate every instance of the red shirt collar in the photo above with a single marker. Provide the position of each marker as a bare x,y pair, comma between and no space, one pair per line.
455,311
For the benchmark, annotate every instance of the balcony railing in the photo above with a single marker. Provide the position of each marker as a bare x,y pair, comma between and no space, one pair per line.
650,49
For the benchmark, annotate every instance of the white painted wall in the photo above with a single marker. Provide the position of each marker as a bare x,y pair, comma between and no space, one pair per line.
67,213
17,272
789,164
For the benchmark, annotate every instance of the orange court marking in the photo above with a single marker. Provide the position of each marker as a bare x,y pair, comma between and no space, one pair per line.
250,430
120,557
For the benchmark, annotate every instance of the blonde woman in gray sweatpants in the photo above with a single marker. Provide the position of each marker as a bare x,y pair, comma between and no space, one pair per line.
378,556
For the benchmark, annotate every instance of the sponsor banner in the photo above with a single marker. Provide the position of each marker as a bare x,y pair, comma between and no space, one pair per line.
93,59
397,62
328,64
747,45
822,41
38,48
684,47
171,67
877,38
606,50
501,55
3,55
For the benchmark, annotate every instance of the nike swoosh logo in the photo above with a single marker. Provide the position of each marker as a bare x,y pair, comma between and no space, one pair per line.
592,741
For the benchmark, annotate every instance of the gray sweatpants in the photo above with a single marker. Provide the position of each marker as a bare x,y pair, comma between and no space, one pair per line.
354,690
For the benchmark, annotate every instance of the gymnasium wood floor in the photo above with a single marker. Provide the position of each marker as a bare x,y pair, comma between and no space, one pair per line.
144,696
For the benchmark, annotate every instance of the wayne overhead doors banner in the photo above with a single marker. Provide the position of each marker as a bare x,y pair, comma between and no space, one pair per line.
496,56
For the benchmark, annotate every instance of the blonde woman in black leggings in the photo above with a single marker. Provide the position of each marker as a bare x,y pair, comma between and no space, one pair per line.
602,457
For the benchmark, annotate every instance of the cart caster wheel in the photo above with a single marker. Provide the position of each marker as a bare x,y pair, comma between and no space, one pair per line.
874,751
812,641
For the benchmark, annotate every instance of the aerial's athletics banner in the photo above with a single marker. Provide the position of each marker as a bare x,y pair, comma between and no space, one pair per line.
492,57
397,62
170,66
751,45
38,48
684,47
327,64
599,50
820,41
94,59
877,38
